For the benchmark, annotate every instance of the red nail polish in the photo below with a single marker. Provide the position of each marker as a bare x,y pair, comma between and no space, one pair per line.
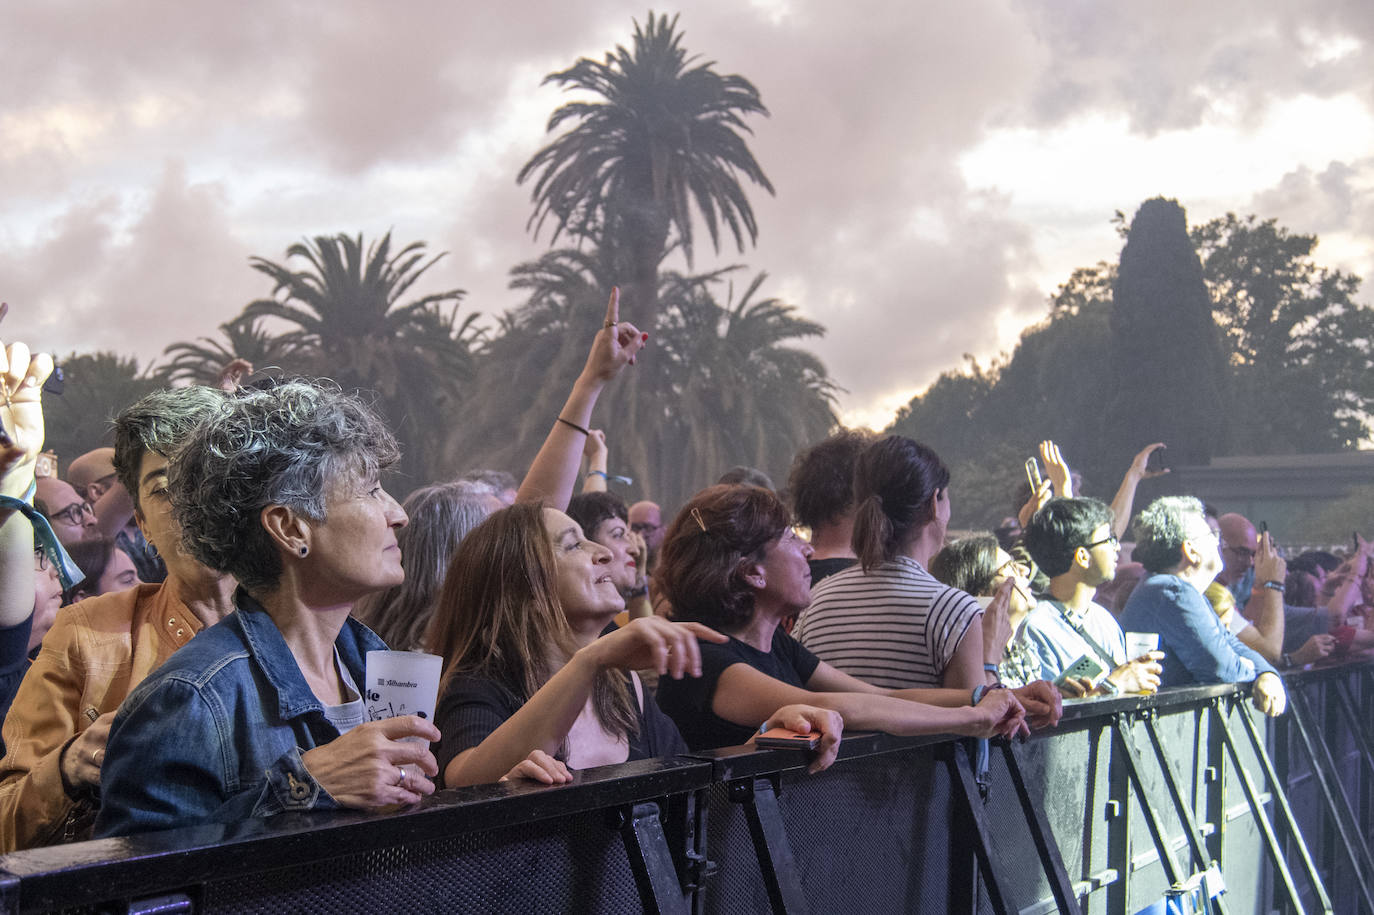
644,336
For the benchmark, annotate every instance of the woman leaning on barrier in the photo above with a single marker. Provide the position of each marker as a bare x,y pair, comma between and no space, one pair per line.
531,687
732,561
261,713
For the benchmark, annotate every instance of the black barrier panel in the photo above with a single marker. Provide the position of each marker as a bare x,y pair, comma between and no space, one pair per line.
1125,798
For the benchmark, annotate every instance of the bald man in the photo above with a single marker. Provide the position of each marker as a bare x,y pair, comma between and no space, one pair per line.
646,520
1239,544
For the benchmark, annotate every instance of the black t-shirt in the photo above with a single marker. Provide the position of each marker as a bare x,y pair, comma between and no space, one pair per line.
688,701
471,708
824,568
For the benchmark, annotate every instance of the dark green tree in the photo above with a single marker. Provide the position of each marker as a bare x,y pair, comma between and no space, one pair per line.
1299,344
96,387
416,358
1169,372
662,144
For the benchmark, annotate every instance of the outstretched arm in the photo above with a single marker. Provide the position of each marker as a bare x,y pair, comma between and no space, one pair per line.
554,471
1125,494
21,411
542,724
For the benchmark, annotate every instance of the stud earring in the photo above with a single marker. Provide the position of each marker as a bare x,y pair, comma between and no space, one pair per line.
304,550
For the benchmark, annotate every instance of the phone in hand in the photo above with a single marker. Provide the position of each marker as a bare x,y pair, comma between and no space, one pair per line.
1086,667
1033,474
1154,463
783,739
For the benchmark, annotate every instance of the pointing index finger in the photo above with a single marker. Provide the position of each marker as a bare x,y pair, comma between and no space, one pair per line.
613,307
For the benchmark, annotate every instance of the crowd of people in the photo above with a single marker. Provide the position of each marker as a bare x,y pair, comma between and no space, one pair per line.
185,617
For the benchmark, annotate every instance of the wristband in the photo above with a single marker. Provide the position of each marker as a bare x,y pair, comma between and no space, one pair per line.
598,473
568,422
1274,586
1108,687
990,668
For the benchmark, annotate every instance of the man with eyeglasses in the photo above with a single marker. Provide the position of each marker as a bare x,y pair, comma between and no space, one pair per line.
1183,555
72,517
1071,540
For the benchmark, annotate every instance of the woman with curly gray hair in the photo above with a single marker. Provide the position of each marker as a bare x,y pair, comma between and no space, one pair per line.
281,490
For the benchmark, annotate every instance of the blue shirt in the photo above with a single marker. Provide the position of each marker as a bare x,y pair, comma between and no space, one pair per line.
1057,643
1197,647
215,735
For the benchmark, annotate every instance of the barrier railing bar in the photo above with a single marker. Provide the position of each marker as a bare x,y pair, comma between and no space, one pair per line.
1292,837
1132,762
650,860
1271,840
1051,859
969,804
776,862
1323,768
1342,805
1346,703
1118,816
1183,808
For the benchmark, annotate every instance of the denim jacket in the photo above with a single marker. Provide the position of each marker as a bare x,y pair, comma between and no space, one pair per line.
216,734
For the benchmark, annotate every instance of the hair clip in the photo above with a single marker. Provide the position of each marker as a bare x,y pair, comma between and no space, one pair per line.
701,523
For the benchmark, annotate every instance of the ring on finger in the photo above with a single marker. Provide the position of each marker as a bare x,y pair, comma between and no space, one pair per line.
402,780
609,323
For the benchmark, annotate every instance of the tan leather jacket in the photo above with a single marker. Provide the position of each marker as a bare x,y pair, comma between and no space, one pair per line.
97,651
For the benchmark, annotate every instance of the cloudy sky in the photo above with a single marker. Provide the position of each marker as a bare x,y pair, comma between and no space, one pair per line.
940,167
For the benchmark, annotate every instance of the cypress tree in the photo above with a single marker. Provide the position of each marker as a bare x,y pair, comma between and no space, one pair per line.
1167,364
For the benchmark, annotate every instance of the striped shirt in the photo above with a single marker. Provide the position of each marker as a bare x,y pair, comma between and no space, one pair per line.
895,626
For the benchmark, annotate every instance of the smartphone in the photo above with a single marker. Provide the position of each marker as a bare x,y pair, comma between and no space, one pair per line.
56,381
783,739
1033,474
1264,527
1086,667
1155,462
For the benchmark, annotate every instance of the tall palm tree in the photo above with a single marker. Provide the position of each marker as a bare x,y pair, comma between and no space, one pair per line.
203,361
346,306
666,134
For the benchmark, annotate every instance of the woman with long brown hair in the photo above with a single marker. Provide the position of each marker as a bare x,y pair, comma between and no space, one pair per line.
530,686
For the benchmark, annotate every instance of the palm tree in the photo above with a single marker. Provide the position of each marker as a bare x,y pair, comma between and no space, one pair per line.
719,385
417,357
203,361
742,393
666,134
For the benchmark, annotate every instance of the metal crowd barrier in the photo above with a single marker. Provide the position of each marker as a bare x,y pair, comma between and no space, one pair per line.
1129,803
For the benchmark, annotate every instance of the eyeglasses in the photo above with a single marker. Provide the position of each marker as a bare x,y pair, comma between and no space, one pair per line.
1013,567
1112,539
73,514
40,560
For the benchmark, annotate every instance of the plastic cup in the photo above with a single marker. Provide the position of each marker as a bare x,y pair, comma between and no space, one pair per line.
401,683
1138,643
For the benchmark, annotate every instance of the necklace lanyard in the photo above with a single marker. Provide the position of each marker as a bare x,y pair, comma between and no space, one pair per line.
1102,655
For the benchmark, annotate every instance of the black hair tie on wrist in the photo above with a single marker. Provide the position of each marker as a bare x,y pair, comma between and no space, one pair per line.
574,425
